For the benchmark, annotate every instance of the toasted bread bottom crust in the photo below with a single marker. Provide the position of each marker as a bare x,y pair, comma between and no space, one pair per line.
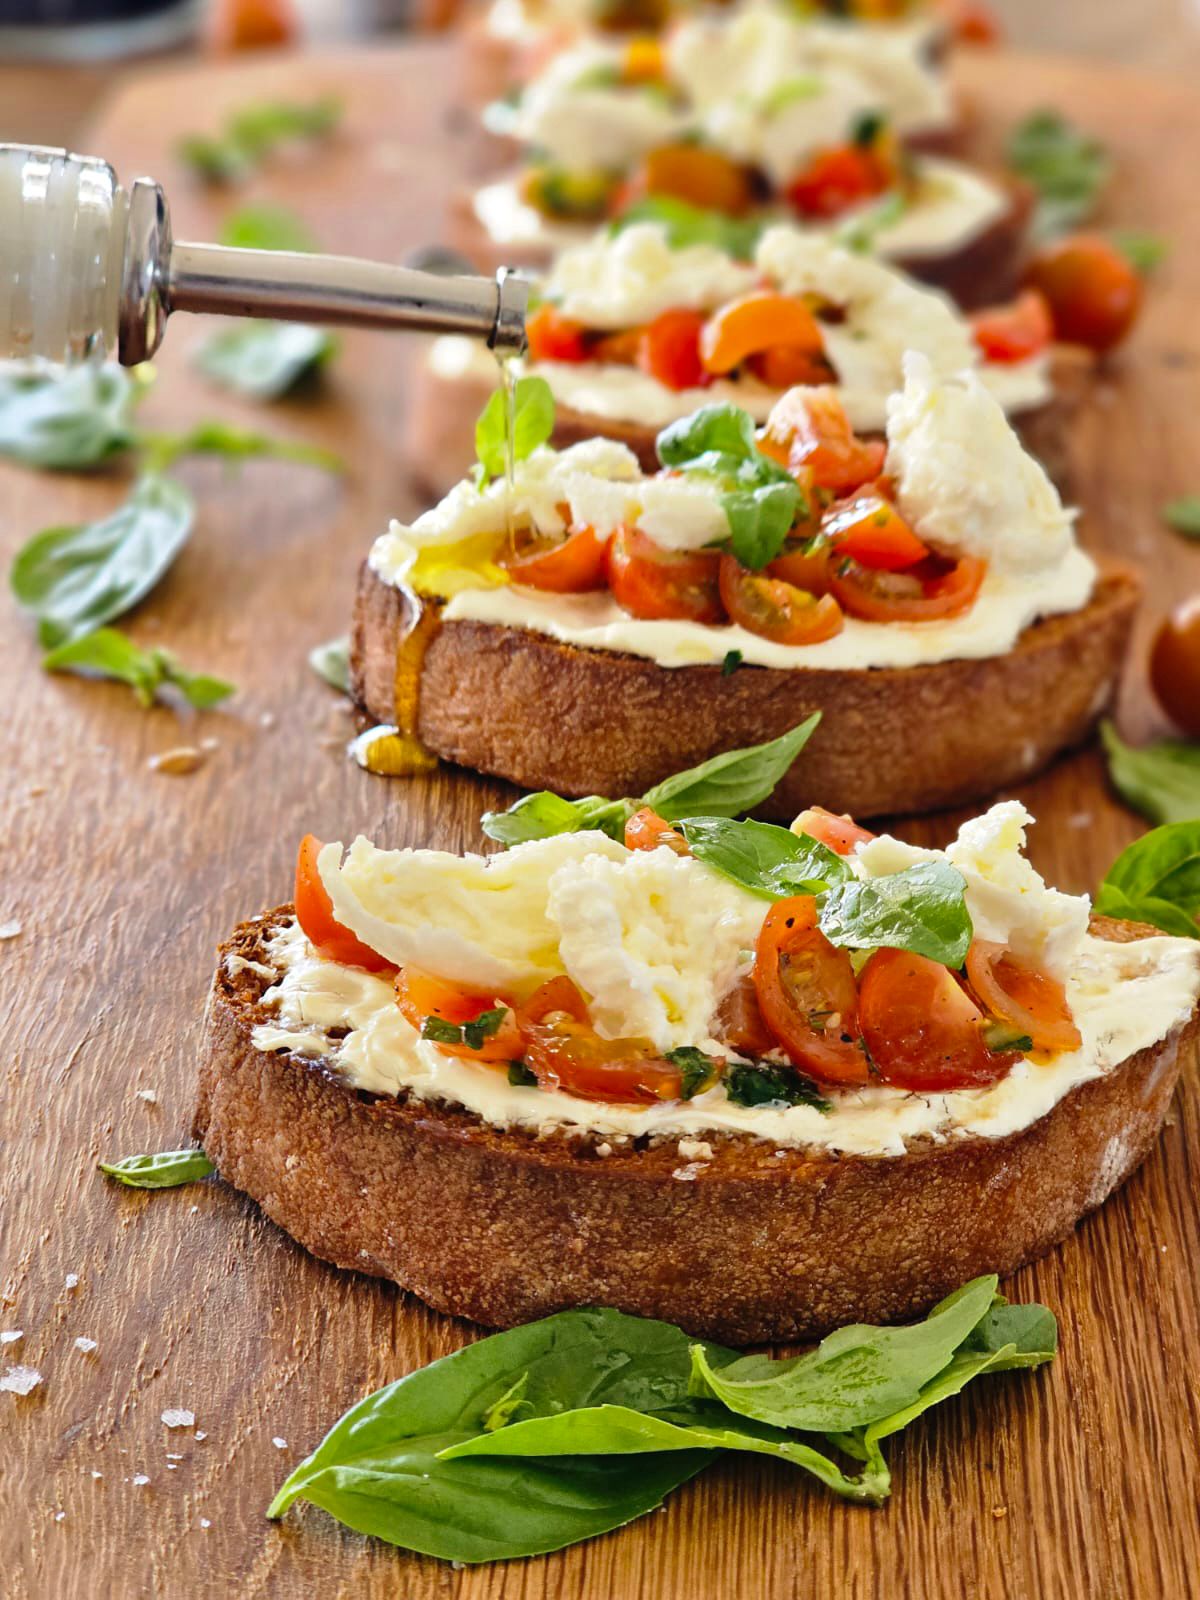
760,1243
546,715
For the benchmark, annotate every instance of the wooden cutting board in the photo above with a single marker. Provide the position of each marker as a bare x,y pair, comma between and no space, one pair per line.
1079,1482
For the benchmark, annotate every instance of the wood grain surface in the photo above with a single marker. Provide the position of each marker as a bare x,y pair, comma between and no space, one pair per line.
1078,1482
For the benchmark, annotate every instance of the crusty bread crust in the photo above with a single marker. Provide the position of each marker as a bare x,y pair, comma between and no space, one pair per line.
547,715
981,272
759,1243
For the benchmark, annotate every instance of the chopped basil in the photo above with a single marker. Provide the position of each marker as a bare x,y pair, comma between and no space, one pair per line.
1144,251
697,1071
1001,1037
267,228
439,1031
520,1076
65,418
732,661
765,1084
472,1034
542,815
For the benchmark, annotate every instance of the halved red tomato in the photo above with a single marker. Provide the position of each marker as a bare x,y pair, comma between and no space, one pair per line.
698,174
650,582
739,1021
759,321
1015,332
921,1026
573,565
807,993
314,912
1032,1002
810,428
776,610
564,1051
617,349
871,531
804,570
1093,291
421,996
932,590
646,830
837,178
790,365
842,834
669,350
553,337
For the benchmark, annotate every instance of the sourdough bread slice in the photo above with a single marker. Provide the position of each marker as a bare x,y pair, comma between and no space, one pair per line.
758,1242
545,715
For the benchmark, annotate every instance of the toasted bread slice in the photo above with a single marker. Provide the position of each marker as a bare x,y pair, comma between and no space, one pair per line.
760,1242
546,715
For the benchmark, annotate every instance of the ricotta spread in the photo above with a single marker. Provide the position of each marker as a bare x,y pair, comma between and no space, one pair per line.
959,469
654,941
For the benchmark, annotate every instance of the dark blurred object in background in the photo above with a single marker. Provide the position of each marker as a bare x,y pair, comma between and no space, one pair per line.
94,30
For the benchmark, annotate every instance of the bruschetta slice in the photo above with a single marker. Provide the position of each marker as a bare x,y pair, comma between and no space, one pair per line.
583,1072
597,627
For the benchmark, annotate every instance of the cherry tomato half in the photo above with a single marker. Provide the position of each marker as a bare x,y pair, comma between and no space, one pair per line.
314,912
646,830
842,834
1175,666
776,610
1032,1002
1015,332
837,179
809,428
760,321
699,175
739,1021
913,596
669,350
1093,291
563,1051
572,565
807,993
922,1028
872,532
650,582
553,337
421,996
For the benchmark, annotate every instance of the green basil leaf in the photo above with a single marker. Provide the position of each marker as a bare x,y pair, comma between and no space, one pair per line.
544,814
532,425
697,1071
331,661
483,1027
74,579
861,231
1157,880
1069,170
439,1031
252,133
1161,780
163,450
1183,515
922,909
267,228
379,1470
64,418
728,784
1143,250
107,653
265,360
759,521
720,429
732,661
619,1431
687,225
855,1377
766,860
765,1084
166,1170
520,1077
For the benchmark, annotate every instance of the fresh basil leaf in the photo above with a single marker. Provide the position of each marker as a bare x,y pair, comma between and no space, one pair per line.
856,1376
1024,1331
922,909
687,225
65,418
267,228
790,92
765,1084
1157,880
163,450
766,860
265,360
697,1071
732,661
379,1470
107,653
331,661
728,784
520,1077
720,430
544,814
860,232
759,521
252,133
439,1031
166,1170
483,1027
1161,780
1069,170
509,1403
1183,515
1144,251
532,425
73,579
610,1430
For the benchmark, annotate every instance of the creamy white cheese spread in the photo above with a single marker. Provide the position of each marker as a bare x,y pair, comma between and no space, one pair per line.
653,941
958,467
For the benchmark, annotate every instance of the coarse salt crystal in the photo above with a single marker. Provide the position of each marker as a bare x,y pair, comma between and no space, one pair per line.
205,1523
86,1345
10,930
150,1096
11,1335
175,1417
20,1380
199,1436
96,1474
71,1281
140,1478
280,1444
59,1515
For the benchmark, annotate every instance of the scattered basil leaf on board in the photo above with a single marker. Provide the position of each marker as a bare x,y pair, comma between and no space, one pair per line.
267,228
765,1084
66,418
729,784
1144,251
74,579
542,815
165,1170
1157,880
1161,780
767,860
251,134
264,360
107,653
532,425
687,225
1183,515
378,1469
331,661
1066,167
163,450
922,909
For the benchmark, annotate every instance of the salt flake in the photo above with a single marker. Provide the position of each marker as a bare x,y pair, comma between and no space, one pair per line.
176,1417
71,1281
86,1345
10,930
11,1335
20,1380
140,1478
280,1444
